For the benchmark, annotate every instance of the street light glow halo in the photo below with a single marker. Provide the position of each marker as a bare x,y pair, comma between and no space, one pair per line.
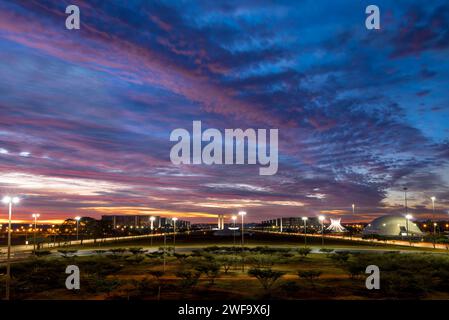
304,218
409,217
242,213
321,218
8,199
77,218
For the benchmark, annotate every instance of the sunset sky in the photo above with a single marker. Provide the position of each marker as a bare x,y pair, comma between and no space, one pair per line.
86,115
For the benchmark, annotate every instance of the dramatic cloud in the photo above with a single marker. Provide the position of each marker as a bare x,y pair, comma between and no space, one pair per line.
86,115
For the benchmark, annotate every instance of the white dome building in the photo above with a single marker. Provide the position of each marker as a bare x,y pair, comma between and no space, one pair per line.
392,226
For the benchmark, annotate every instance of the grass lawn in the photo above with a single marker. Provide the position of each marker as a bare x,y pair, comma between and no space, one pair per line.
199,272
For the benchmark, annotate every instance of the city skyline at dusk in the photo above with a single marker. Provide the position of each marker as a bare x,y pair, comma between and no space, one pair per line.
86,115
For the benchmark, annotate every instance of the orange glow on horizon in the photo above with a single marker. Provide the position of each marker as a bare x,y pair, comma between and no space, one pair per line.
31,221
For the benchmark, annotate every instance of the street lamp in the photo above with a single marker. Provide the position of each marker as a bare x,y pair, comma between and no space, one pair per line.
174,233
151,228
433,214
305,230
35,216
322,218
233,218
9,201
242,213
77,226
407,218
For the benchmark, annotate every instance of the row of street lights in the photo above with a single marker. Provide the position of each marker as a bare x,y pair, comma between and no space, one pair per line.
10,201
321,219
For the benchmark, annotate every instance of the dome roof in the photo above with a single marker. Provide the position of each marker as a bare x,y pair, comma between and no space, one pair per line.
392,226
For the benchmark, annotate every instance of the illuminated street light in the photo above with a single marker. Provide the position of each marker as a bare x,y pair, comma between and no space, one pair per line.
304,219
242,213
233,218
407,218
322,218
35,216
151,228
77,226
433,214
174,233
9,201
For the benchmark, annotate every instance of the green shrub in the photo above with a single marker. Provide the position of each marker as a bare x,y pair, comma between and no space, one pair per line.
310,275
189,279
304,252
266,277
136,250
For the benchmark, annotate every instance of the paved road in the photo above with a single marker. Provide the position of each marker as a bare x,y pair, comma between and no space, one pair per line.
20,251
422,244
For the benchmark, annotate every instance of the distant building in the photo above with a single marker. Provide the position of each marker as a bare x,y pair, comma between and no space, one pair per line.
336,226
291,224
393,227
144,221
221,222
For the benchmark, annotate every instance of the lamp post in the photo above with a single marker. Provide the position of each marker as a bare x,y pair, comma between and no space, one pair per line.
165,245
35,216
151,229
305,230
174,234
321,218
233,221
242,213
9,201
407,218
433,215
77,226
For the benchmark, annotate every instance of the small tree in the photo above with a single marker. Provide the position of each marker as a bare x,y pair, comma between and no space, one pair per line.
266,277
310,275
226,263
135,259
304,252
118,251
210,269
107,286
189,278
355,269
136,251
327,251
340,257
